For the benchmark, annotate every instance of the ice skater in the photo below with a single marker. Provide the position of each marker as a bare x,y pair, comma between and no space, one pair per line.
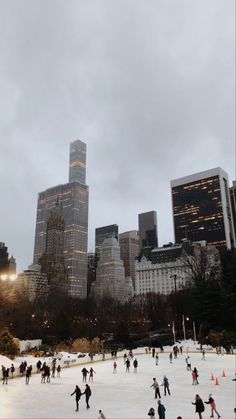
127,365
171,357
155,385
84,374
135,364
28,374
161,410
12,369
91,372
166,385
101,415
77,393
87,393
203,355
114,367
211,401
58,371
199,405
151,413
157,359
194,377
196,373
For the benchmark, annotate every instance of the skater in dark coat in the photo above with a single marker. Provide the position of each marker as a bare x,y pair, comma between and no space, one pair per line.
199,405
28,374
12,370
161,410
5,374
84,374
166,385
87,393
38,365
127,362
77,393
58,371
151,413
135,364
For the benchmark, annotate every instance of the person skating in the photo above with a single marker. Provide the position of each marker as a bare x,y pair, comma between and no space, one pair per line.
153,352
166,385
196,373
12,369
211,401
171,357
91,372
114,367
28,374
194,378
187,360
77,393
87,393
155,385
161,410
127,362
101,415
135,364
5,373
58,371
38,365
157,359
84,374
199,405
203,355
151,413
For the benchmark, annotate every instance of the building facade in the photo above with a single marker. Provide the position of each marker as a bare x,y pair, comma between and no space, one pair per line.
233,203
129,251
73,197
172,268
202,208
110,275
102,233
53,260
147,224
34,282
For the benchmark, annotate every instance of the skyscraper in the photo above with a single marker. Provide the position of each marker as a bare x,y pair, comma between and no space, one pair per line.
103,233
202,209
73,197
7,265
147,224
233,203
129,250
110,277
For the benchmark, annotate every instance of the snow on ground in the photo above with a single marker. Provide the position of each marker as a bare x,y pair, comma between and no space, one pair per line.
124,395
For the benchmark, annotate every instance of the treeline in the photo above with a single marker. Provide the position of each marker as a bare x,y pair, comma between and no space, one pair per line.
210,302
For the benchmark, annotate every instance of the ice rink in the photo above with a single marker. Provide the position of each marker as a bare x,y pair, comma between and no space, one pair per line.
125,395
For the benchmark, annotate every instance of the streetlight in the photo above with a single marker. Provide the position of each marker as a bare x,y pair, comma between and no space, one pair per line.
11,277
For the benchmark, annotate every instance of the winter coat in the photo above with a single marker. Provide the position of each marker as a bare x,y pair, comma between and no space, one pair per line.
211,401
161,411
199,406
77,393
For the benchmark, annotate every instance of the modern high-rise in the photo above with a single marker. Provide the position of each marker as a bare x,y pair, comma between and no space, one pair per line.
73,197
129,250
110,276
233,203
202,208
102,233
147,224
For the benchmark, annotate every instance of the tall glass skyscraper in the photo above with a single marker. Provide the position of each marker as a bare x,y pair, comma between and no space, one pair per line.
73,197
147,225
202,208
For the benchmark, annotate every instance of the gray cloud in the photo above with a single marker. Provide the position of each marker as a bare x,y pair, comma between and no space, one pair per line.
149,85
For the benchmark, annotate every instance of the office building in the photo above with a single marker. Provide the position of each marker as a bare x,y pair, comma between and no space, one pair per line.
34,282
73,197
103,233
53,260
129,250
202,208
233,203
147,224
110,275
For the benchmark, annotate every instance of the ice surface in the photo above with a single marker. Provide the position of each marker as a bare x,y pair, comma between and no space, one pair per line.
124,395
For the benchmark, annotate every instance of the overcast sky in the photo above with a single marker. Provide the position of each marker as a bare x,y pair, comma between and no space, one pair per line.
147,84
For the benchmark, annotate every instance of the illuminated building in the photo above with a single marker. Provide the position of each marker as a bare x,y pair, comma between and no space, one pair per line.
129,250
110,275
202,208
73,197
233,203
147,224
7,265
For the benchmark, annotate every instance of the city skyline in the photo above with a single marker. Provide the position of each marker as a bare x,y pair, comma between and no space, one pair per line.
153,103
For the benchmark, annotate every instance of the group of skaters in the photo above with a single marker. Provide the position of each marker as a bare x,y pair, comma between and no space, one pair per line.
199,404
23,369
